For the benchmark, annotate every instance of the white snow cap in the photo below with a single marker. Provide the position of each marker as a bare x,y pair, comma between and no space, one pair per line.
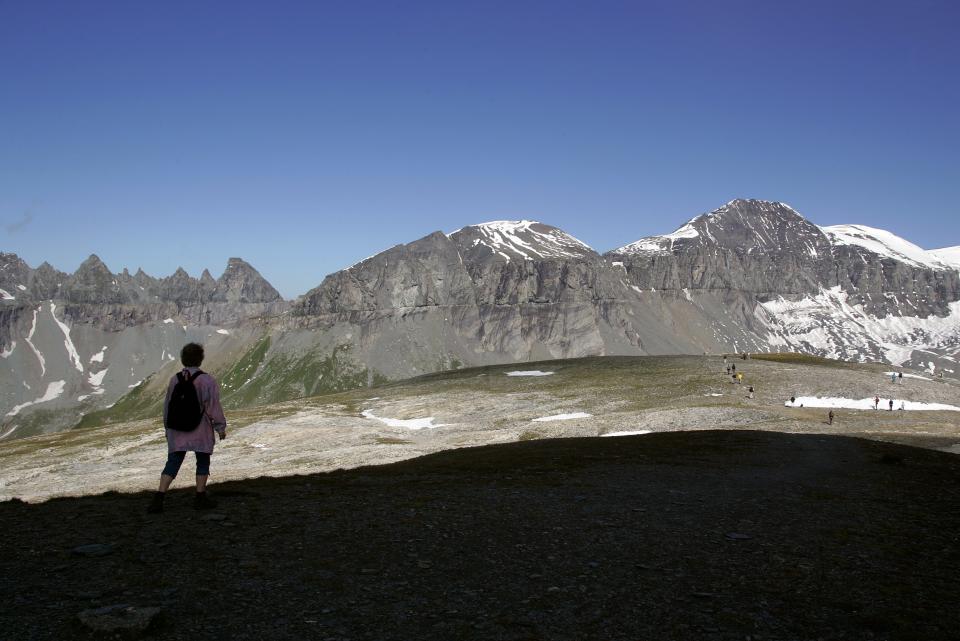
882,242
659,244
527,239
948,255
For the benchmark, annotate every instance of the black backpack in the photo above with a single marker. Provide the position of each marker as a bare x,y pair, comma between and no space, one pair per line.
184,412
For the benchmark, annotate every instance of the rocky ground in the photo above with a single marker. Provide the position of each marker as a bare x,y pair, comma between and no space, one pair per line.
680,535
483,406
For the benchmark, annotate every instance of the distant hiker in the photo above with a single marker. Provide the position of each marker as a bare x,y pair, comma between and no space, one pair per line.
830,417
793,400
891,405
739,378
191,414
900,376
903,405
893,377
750,392
728,370
876,402
733,367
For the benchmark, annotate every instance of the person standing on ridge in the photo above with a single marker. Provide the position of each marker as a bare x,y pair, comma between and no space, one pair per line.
830,418
900,376
891,404
191,414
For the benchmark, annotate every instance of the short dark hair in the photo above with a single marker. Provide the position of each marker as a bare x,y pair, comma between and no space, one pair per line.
191,355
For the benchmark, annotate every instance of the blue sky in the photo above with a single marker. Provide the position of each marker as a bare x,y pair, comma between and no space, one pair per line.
304,136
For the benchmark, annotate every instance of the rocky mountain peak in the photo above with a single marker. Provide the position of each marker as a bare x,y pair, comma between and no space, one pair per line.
506,240
93,263
742,225
14,275
241,283
93,282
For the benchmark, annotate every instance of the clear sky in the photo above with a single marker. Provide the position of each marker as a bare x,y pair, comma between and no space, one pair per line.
304,136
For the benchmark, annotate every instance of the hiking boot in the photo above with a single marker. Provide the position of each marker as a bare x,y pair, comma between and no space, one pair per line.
203,502
156,503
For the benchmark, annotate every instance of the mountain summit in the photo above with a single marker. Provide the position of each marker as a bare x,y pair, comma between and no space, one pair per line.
741,225
518,240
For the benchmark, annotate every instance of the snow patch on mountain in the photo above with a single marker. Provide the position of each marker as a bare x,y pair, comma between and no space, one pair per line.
96,379
29,337
67,341
828,325
947,255
98,357
7,352
661,244
5,295
883,243
54,390
410,424
525,239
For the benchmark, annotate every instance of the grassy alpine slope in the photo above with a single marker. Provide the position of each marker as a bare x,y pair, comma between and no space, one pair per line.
250,375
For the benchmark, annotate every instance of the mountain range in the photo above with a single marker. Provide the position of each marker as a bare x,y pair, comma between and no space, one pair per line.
750,276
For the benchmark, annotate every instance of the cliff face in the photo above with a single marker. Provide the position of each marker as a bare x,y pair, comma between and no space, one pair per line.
521,290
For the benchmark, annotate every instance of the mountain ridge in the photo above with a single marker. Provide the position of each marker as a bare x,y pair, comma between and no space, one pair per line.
750,276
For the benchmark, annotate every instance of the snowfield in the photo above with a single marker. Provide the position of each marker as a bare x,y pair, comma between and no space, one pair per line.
828,324
562,417
534,372
882,242
410,424
867,404
54,390
628,433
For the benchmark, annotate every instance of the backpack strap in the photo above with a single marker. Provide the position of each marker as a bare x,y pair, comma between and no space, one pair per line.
191,379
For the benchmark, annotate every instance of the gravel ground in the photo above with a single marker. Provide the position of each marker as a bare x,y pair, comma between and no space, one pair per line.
679,535
485,406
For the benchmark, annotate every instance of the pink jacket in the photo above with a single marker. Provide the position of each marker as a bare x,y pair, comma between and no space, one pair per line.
201,439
